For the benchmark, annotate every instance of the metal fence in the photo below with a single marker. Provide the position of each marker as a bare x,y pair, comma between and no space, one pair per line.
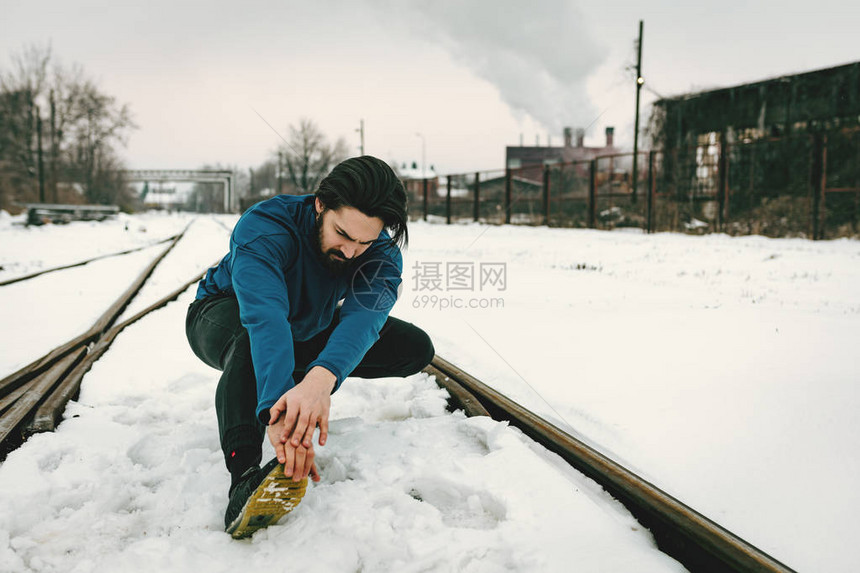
804,185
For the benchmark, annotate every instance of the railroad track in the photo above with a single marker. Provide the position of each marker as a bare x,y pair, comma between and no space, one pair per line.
33,399
221,224
84,262
681,532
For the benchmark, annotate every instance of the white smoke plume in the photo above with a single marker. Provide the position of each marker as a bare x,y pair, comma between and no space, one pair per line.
538,54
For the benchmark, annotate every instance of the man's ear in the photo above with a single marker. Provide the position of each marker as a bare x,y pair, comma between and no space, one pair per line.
318,206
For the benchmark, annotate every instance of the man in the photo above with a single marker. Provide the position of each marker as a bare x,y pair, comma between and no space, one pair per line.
267,316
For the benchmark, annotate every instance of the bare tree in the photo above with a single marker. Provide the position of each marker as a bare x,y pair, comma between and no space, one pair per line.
98,124
17,162
265,178
19,90
308,156
29,69
53,115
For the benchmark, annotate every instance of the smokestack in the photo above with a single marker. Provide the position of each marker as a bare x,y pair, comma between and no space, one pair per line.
610,136
580,137
502,51
568,137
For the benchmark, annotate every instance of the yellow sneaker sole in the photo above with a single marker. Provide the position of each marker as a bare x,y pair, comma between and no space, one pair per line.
276,496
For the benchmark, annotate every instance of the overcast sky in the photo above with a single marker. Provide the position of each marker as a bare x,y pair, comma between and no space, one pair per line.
470,77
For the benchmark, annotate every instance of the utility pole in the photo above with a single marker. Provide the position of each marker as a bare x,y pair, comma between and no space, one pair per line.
423,155
639,83
40,155
54,153
360,130
280,172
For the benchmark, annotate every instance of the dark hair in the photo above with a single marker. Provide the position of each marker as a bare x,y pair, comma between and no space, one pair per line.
371,186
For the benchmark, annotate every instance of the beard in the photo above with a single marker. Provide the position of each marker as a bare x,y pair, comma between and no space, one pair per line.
336,267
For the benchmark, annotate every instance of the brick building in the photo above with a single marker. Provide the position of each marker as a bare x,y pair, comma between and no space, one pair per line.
518,157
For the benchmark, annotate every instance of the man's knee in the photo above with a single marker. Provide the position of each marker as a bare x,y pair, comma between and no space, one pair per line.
402,350
237,350
421,351
214,331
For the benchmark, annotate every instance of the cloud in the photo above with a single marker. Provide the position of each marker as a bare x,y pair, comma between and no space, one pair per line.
538,55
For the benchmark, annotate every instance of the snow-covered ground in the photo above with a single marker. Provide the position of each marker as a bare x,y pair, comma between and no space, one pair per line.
721,369
56,307
28,250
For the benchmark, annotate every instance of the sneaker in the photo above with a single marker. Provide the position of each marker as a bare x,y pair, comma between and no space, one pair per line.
260,498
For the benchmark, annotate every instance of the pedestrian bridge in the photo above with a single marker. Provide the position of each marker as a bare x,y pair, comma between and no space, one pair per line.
186,176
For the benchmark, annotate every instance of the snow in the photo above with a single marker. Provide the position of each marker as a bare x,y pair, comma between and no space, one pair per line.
201,247
56,307
29,249
721,369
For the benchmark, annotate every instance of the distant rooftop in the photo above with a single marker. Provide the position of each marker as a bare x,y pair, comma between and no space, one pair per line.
417,173
782,78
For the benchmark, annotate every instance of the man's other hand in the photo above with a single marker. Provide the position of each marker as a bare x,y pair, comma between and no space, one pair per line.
305,406
298,462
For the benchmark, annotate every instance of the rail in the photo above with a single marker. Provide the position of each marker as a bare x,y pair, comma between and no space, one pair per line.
33,398
82,263
681,532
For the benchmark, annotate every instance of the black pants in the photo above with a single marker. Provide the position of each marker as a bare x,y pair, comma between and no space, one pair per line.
218,338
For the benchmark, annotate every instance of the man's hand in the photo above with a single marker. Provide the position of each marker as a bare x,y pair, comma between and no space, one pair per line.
298,462
295,416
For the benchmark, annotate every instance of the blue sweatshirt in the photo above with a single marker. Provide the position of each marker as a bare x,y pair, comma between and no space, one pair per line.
285,293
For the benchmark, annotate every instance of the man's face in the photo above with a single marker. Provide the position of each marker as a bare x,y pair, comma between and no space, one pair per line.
343,235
